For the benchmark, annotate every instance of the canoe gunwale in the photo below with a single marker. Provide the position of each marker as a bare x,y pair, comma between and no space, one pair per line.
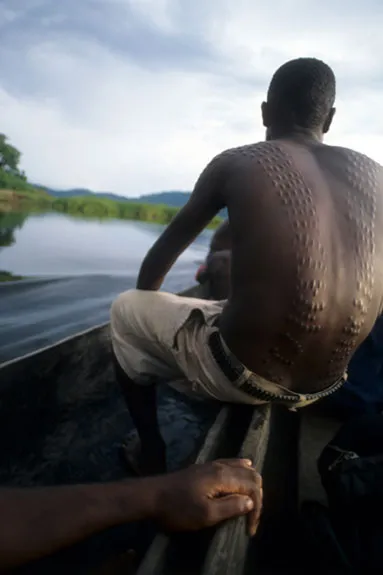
189,292
155,557
228,548
50,347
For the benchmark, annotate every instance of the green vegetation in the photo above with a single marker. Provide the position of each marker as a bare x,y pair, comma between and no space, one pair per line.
9,223
8,277
15,190
11,177
103,208
17,195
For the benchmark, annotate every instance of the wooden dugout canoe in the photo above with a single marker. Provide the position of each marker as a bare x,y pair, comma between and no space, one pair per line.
62,420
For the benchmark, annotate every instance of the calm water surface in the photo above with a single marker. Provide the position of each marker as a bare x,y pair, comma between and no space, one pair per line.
74,269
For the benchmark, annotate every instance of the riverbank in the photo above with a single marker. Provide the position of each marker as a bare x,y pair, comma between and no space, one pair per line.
89,207
23,200
9,277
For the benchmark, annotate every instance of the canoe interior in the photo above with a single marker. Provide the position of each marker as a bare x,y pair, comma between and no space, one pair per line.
62,420
62,417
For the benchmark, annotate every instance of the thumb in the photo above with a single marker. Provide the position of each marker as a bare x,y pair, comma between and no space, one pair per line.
229,506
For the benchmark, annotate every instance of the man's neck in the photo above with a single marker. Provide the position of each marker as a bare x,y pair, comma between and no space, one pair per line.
295,133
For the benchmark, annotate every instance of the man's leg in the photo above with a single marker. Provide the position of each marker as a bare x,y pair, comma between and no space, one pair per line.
144,326
141,401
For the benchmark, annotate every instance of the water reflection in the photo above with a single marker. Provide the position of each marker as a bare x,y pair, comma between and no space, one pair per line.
60,245
155,230
9,222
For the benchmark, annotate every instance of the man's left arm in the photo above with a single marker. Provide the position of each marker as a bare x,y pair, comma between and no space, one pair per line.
204,203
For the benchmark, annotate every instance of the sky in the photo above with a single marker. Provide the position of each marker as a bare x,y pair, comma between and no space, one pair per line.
137,96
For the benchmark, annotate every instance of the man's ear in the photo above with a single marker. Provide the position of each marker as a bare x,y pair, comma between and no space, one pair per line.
329,120
265,114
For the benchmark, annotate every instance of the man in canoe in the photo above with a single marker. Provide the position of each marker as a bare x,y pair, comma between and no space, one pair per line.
306,280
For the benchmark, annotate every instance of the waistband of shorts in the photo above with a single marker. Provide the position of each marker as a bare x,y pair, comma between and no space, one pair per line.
258,387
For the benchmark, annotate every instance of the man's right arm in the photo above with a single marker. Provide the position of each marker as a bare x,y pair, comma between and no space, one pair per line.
204,203
40,521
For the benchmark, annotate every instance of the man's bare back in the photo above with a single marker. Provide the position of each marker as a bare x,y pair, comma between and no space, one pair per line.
306,228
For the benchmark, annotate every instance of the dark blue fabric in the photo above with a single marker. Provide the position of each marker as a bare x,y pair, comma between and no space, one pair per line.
354,488
363,392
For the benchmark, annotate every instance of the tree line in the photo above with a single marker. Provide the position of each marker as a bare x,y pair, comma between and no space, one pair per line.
103,208
11,177
20,194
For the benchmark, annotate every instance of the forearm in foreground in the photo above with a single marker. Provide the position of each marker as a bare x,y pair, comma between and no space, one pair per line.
39,521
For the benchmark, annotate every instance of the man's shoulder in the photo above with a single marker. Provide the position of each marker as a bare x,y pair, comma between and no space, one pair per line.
247,149
353,156
230,156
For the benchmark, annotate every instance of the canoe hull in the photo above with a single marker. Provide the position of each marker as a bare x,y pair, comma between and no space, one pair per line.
62,420
62,417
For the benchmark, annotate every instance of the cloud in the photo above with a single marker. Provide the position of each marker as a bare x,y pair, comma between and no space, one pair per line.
137,96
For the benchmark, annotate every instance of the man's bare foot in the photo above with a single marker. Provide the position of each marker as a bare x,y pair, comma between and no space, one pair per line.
141,462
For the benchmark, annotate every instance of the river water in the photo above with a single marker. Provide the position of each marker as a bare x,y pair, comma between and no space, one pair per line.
74,268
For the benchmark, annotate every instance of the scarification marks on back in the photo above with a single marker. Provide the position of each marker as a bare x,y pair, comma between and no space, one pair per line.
301,216
362,175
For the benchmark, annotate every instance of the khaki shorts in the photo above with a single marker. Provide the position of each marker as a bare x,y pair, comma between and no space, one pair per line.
165,336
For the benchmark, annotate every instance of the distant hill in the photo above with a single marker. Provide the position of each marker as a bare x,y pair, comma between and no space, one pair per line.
175,199
81,192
